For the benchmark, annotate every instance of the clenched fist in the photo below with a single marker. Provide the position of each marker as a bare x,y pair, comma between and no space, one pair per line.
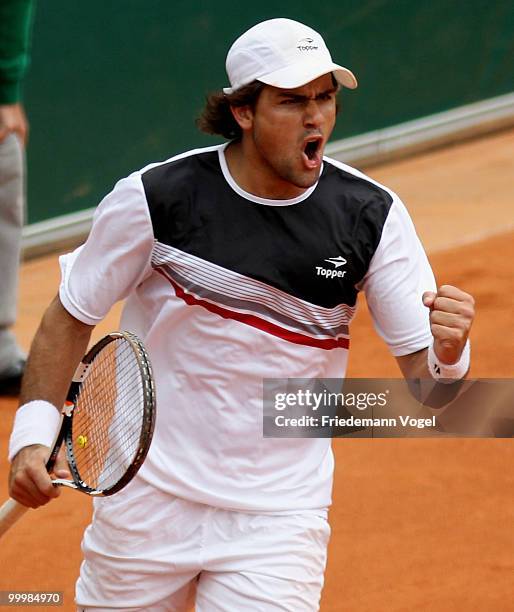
451,315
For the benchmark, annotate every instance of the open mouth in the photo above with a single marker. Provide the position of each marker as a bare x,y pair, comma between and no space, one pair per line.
312,151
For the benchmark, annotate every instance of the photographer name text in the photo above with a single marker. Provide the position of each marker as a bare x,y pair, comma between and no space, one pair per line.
351,421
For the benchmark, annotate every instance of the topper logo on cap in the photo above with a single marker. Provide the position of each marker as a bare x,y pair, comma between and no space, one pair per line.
306,45
283,53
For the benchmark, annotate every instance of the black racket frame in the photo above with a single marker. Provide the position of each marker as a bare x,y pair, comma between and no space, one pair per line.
65,434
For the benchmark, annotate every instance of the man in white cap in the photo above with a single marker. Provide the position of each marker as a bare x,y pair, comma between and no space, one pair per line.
240,262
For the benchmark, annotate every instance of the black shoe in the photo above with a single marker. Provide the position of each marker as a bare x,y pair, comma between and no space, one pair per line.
10,379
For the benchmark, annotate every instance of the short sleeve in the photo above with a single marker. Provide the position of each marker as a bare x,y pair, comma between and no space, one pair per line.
398,275
115,258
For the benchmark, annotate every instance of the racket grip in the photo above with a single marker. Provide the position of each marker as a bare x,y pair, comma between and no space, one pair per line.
10,512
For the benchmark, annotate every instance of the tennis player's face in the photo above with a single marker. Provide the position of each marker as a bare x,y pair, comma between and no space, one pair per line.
289,130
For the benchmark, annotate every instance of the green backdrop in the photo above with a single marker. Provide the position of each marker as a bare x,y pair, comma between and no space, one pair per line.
115,85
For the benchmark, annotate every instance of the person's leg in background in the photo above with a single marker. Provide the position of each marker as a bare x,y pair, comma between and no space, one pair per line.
12,187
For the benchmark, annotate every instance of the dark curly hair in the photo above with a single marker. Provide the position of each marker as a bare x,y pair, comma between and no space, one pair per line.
217,118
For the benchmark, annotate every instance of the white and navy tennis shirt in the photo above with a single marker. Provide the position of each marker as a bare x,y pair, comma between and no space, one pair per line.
226,289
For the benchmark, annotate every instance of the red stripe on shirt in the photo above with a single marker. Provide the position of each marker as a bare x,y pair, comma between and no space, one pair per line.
254,321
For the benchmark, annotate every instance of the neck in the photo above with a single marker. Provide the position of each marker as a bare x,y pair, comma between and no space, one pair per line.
255,176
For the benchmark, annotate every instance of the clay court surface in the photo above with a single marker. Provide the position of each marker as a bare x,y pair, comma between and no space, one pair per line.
417,524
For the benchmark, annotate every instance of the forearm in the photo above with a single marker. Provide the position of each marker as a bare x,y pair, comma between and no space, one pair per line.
425,387
57,348
415,365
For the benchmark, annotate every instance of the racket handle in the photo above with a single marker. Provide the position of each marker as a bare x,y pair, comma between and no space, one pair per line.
10,512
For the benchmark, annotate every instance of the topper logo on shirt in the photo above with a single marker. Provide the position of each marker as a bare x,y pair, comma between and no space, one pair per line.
337,262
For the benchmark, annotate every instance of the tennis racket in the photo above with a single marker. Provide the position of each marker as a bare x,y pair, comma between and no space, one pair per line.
107,421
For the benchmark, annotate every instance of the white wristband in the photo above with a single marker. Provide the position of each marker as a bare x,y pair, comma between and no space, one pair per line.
34,423
445,373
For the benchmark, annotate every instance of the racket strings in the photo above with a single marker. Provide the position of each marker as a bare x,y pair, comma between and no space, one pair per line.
104,455
108,418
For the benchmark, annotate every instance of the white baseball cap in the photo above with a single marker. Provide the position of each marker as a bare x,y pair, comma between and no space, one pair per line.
283,53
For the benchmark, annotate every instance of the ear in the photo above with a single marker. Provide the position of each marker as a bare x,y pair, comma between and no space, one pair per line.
243,115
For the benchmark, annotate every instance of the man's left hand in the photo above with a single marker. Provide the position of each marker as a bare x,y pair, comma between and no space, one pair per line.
451,315
13,121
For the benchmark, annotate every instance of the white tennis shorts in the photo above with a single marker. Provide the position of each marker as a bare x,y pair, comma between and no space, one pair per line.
147,550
